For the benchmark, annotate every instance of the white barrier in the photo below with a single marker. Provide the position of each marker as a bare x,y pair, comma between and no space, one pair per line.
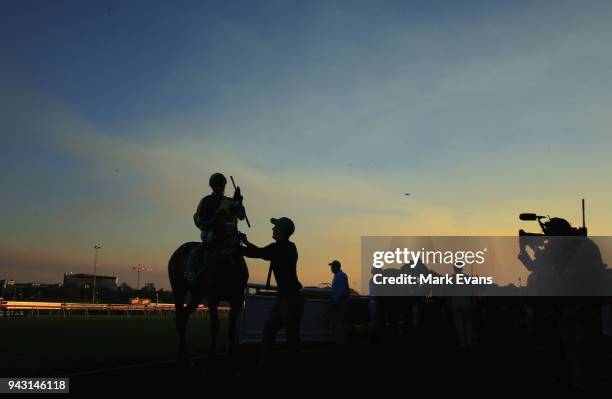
315,325
8,308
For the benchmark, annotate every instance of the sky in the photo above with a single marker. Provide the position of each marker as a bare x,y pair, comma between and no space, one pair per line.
113,114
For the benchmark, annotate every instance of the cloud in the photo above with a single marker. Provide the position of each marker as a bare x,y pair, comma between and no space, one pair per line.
143,192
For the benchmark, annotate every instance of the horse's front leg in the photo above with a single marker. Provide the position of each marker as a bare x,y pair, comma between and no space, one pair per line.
214,327
231,332
233,321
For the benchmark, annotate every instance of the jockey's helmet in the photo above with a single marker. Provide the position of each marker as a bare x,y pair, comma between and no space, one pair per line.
217,179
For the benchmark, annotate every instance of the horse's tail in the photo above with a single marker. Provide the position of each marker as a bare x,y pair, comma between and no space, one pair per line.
176,274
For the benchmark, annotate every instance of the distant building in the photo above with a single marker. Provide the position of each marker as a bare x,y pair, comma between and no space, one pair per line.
124,287
82,280
10,290
36,286
7,288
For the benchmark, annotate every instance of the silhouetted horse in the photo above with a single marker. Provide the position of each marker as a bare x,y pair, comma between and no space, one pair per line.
224,279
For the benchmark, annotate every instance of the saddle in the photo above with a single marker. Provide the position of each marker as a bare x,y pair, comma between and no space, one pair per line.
200,256
221,242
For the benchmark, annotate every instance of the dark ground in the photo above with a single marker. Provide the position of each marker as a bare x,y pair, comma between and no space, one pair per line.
407,363
50,344
507,357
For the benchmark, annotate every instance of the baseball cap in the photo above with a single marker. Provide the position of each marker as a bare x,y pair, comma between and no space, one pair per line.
285,223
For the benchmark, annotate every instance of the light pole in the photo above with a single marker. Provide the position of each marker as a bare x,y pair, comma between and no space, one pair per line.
96,248
139,268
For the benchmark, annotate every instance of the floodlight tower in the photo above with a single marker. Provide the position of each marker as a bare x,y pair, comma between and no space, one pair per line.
139,269
96,248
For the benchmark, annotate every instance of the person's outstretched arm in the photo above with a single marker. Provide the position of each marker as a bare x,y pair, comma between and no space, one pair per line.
253,251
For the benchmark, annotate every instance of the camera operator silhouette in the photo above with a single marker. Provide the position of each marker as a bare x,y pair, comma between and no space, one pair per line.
564,263
569,276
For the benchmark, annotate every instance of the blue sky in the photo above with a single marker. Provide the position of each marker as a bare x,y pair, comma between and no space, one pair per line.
115,113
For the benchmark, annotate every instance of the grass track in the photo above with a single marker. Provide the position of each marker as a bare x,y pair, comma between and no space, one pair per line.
53,344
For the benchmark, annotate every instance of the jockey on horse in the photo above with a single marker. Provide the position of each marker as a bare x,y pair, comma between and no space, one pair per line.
214,269
217,217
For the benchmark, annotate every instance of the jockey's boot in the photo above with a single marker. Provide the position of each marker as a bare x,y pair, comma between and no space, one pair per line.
194,260
200,258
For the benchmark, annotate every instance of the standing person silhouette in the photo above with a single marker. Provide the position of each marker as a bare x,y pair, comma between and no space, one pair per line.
289,305
340,297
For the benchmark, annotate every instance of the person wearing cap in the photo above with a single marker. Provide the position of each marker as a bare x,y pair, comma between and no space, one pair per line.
340,302
289,304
